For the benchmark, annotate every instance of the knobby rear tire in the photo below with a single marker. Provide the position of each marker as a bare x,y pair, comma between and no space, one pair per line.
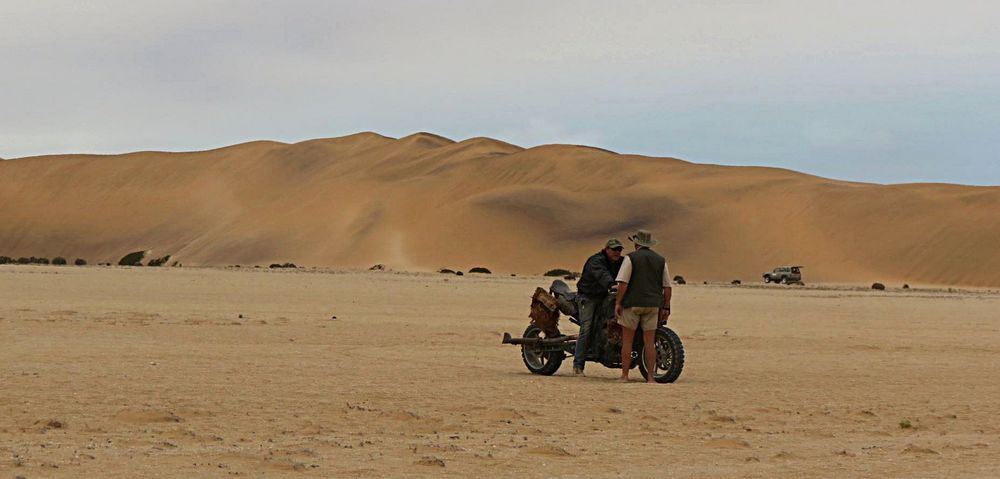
671,345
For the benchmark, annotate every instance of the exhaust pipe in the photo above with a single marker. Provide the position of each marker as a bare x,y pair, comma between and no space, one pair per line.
508,339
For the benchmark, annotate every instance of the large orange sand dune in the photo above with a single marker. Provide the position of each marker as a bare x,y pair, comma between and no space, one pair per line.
424,201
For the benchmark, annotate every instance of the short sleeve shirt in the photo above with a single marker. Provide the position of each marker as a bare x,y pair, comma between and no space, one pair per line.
625,273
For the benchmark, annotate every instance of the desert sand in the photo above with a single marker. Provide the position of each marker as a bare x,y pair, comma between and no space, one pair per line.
423,202
152,372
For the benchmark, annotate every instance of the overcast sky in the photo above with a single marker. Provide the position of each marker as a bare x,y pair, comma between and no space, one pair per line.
882,91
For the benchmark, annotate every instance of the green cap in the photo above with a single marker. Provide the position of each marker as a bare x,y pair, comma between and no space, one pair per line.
614,243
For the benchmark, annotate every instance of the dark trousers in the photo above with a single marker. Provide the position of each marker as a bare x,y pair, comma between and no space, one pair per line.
587,310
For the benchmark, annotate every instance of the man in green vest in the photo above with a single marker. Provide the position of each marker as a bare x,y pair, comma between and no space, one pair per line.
643,300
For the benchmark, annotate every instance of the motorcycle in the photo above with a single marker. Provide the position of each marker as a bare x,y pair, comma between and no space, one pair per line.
543,347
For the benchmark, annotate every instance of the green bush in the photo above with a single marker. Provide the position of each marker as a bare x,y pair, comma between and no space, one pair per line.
132,259
159,261
59,260
480,269
558,272
6,260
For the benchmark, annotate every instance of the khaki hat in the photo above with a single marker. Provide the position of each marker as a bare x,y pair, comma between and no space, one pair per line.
643,238
614,243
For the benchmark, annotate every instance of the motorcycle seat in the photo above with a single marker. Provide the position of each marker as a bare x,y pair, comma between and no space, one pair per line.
559,288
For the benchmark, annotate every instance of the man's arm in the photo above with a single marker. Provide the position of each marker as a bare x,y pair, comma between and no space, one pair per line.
668,292
622,288
601,273
624,275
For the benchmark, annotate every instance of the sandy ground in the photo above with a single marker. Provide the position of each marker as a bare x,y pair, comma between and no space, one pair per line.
114,372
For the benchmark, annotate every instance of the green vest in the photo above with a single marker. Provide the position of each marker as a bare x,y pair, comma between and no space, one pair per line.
645,287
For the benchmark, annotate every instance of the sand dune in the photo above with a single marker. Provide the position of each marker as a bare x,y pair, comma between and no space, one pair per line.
424,201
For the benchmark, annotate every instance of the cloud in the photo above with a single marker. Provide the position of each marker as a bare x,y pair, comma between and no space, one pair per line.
720,81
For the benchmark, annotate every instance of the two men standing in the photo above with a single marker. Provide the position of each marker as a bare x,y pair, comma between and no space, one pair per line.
643,297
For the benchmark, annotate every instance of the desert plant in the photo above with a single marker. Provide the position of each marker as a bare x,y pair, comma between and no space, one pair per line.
23,260
132,259
558,272
34,260
80,262
159,261
878,286
446,271
736,282
459,273
679,279
59,260
6,260
906,286
905,424
480,269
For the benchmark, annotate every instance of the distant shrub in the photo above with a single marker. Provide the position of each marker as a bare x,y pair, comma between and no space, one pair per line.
446,271
59,260
34,260
459,273
80,262
377,267
285,265
23,260
6,260
132,259
159,261
679,280
558,272
878,286
736,282
906,286
480,269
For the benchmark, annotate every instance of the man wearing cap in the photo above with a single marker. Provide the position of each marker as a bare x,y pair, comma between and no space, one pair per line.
643,299
598,277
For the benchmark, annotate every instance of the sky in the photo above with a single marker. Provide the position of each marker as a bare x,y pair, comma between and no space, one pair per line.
878,91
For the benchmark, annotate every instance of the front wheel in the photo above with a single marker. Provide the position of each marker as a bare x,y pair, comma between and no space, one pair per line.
669,357
537,360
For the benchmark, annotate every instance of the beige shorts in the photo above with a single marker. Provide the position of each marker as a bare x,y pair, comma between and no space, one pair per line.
645,317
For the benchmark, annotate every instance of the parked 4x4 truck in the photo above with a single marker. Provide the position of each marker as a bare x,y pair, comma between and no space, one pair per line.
785,274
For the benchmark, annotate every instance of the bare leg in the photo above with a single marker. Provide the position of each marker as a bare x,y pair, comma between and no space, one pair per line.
627,337
649,346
